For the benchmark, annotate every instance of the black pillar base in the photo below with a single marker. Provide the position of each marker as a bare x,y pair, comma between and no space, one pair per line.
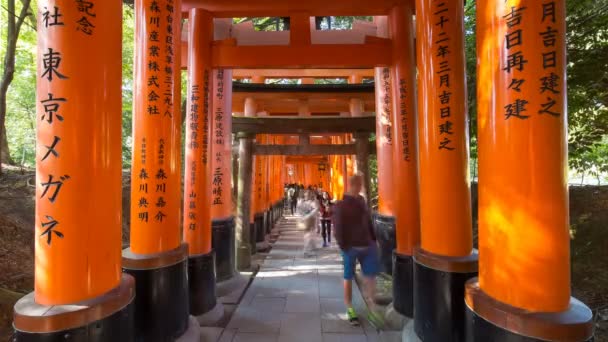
260,231
266,223
490,320
403,284
439,313
384,227
223,242
108,317
161,305
253,237
201,281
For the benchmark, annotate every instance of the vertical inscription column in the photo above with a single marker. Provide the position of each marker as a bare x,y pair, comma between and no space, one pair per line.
524,259
78,184
446,259
198,192
156,257
405,176
384,219
222,217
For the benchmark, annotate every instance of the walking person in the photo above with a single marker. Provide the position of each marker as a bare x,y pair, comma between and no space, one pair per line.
325,207
357,241
309,211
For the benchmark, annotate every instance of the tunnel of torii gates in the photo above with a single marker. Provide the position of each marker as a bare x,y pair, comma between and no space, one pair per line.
516,287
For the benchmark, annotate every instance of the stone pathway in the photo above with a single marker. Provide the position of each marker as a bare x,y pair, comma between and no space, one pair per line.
294,298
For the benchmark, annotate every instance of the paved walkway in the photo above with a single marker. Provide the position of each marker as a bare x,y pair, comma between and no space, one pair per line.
294,298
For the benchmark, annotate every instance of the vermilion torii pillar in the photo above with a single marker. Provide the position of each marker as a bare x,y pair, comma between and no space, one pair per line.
405,165
523,290
446,259
384,218
221,168
157,258
79,289
198,188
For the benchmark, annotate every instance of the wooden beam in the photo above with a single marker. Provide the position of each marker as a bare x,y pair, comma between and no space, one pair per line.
299,125
310,150
304,150
352,56
284,8
302,73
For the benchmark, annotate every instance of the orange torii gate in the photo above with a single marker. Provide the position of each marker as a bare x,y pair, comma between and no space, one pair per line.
523,289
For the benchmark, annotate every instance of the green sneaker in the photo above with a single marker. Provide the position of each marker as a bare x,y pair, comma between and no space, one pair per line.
376,320
351,314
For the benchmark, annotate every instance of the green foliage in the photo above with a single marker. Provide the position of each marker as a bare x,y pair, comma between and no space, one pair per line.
587,40
21,96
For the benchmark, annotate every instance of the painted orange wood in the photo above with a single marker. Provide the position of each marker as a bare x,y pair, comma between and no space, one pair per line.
78,155
524,256
156,175
443,135
405,164
221,144
197,174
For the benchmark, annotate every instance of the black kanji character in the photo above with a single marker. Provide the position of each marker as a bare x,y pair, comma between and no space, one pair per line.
143,216
155,21
51,224
444,144
51,19
549,36
546,107
445,112
161,187
515,60
51,149
161,174
549,59
513,39
192,216
442,51
153,81
445,97
154,51
444,66
161,202
86,6
442,20
444,80
51,107
153,110
154,7
160,216
143,187
51,61
549,11
85,26
153,66
516,109
550,83
143,202
192,226
446,127
516,84
153,96
143,174
514,17
57,184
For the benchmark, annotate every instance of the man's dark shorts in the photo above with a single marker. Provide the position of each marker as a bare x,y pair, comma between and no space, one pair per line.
367,257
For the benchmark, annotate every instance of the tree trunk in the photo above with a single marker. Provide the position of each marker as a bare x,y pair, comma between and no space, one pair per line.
14,27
